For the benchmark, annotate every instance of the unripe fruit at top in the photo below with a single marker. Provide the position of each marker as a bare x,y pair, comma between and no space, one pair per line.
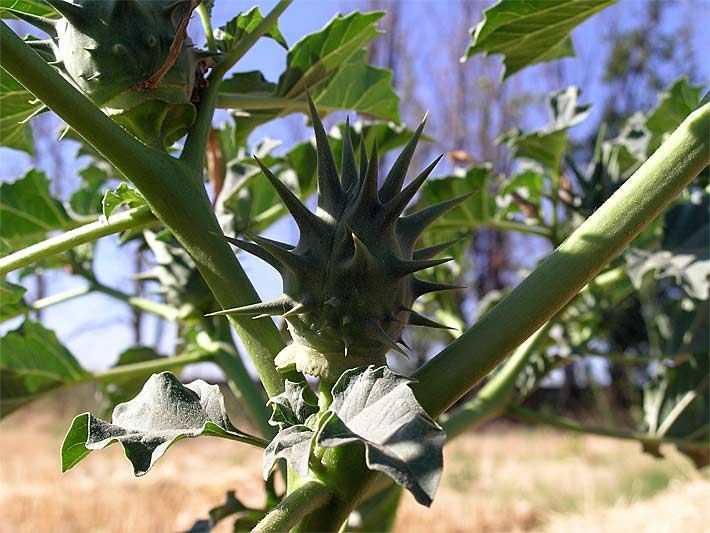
110,49
349,284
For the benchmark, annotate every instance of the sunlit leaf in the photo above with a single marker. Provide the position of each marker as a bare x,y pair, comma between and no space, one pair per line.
28,211
530,32
229,35
32,362
17,106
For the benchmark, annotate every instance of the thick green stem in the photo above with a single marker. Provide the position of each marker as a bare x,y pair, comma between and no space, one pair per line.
164,311
193,153
497,393
240,382
566,424
307,498
137,218
540,296
177,198
463,363
149,367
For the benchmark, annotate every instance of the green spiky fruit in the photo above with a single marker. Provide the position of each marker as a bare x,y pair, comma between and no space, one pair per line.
111,48
349,283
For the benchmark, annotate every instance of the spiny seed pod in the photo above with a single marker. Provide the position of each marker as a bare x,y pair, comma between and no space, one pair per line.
349,284
117,51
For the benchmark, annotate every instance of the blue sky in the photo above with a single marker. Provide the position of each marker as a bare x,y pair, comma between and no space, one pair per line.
96,328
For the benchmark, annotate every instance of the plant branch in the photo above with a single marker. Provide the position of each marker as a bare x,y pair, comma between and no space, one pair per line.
149,367
164,311
526,415
206,26
137,218
463,363
193,154
173,192
305,499
226,355
497,225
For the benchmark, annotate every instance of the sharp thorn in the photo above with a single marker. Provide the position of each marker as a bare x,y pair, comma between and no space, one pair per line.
421,287
307,221
412,226
47,25
297,309
415,319
433,251
330,193
348,170
271,308
395,207
404,267
256,250
398,173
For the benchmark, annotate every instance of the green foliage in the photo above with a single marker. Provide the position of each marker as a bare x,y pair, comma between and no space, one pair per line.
246,517
18,107
527,33
122,388
164,412
33,362
376,407
548,144
330,64
12,301
28,211
227,37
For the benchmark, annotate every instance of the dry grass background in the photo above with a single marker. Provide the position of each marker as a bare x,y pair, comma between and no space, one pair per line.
506,478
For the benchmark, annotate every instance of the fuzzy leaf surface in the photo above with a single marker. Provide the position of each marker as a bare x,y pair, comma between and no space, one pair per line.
376,407
293,444
122,389
32,362
164,412
529,32
293,406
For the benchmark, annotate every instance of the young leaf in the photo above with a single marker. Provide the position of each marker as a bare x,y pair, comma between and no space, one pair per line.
123,195
293,406
527,33
28,211
332,55
548,144
376,407
164,412
674,104
32,362
247,517
293,444
232,32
